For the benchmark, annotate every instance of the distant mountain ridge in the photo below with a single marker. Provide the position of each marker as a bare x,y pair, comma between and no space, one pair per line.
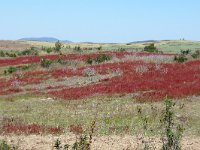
147,41
44,39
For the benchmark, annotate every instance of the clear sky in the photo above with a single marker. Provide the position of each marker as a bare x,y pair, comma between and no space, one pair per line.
100,20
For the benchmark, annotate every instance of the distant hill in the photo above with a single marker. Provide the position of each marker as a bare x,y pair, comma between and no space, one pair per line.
148,41
44,39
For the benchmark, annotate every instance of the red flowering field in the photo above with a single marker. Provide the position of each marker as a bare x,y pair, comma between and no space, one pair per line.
144,80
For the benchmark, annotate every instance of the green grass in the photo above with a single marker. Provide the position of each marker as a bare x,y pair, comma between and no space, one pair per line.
115,115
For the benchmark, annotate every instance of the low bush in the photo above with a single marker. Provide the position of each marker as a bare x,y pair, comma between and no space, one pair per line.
61,61
99,48
10,70
4,146
47,49
102,58
180,58
196,54
7,54
31,51
185,52
58,46
2,54
45,63
77,48
89,61
151,48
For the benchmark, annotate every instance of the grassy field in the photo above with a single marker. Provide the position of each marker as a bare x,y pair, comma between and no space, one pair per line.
118,86
165,46
114,115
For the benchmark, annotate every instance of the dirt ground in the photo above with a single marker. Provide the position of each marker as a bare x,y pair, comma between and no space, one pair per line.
39,142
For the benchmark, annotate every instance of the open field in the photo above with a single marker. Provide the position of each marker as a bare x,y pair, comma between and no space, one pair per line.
46,94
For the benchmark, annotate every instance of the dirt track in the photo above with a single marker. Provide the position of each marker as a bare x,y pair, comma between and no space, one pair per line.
37,142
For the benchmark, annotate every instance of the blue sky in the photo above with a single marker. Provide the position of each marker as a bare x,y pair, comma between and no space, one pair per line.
100,20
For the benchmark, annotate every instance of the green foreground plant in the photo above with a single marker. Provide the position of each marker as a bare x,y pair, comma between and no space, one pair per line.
173,132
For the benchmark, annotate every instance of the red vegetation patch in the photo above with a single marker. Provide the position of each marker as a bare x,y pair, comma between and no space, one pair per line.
152,81
76,129
36,59
28,129
172,80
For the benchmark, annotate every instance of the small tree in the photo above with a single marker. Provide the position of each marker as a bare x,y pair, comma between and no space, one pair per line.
58,46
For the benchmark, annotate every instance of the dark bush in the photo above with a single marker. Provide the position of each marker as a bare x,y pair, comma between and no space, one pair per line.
62,61
102,58
2,54
10,70
30,51
45,63
196,54
151,48
99,48
180,58
185,52
89,61
47,49
58,46
77,48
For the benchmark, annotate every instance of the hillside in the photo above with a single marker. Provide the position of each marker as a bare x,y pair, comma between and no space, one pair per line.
44,39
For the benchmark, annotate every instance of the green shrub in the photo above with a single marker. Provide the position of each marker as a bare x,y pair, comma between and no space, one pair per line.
89,61
77,48
180,58
58,46
173,132
45,63
10,54
99,48
62,61
151,48
30,51
2,54
47,49
185,52
25,67
196,54
81,144
4,146
10,70
102,58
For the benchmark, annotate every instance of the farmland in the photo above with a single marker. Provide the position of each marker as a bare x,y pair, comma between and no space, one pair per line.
44,92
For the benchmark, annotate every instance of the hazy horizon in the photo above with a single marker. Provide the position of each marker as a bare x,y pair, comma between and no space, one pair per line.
102,21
